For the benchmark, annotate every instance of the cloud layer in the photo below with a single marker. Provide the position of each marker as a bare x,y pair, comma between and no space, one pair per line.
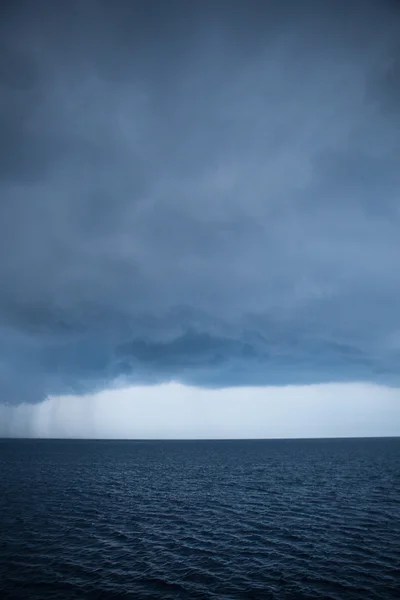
201,194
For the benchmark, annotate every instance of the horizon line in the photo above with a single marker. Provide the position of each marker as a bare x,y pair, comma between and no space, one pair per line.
282,439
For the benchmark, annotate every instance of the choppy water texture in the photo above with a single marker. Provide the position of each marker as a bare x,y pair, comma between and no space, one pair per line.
267,519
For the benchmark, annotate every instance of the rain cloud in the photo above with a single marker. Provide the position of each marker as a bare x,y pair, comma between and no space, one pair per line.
202,192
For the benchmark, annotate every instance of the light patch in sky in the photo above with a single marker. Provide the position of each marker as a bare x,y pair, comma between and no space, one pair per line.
175,411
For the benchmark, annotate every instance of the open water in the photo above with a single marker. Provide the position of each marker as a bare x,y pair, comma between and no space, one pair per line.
164,520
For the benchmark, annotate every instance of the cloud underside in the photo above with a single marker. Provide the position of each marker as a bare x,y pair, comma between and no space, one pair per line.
207,195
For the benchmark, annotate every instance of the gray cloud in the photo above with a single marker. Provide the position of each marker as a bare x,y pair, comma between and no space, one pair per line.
202,194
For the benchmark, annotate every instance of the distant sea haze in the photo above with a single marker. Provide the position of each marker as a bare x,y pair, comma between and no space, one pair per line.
278,519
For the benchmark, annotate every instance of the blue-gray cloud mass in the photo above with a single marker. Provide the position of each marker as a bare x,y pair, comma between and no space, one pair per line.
206,192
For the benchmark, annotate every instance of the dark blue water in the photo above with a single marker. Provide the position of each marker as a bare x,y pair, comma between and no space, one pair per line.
268,519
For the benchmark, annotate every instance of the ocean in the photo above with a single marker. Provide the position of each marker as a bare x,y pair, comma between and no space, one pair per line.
279,519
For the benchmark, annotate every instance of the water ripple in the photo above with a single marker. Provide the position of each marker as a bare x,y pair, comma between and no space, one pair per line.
207,520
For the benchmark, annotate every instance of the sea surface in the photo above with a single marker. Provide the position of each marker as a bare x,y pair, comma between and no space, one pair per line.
290,519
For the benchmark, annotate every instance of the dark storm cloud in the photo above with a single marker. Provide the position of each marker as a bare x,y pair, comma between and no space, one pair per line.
206,192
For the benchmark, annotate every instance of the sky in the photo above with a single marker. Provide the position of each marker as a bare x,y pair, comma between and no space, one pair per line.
200,200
